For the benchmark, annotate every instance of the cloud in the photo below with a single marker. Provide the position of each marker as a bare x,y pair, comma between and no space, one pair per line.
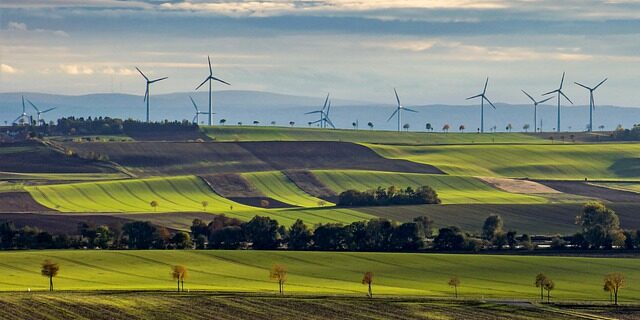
5,68
13,26
74,69
118,71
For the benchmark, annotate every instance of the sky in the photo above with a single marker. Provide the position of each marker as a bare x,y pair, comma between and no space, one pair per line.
433,52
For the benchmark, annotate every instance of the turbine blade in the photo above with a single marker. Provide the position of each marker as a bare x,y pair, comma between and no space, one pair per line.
33,105
329,122
48,110
397,99
582,85
145,77
561,81
214,78
314,122
410,110
18,118
487,99
194,104
476,96
545,100
146,93
599,84
210,69
530,97
550,92
203,82
393,114
485,86
325,102
156,80
312,112
328,109
562,93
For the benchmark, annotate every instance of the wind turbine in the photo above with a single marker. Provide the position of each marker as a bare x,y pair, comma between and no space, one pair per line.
209,78
535,108
482,97
146,92
38,112
592,103
23,115
322,113
399,109
196,118
560,93
326,116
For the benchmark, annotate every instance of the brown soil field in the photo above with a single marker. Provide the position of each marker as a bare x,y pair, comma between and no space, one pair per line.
591,191
20,202
307,182
175,158
518,186
33,157
166,135
236,188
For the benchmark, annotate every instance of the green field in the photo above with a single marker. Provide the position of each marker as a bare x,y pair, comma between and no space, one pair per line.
451,189
274,184
261,133
321,272
592,161
624,186
61,176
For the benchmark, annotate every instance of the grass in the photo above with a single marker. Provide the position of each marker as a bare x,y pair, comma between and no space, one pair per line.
592,161
624,186
164,305
262,133
61,176
487,276
450,189
173,194
274,184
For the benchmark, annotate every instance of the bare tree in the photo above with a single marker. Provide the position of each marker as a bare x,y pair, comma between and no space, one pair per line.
204,204
614,281
279,273
368,280
540,279
154,204
179,273
454,282
548,286
50,269
446,128
461,128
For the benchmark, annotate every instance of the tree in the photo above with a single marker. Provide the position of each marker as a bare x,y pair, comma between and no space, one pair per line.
49,269
429,127
450,238
406,127
279,274
548,286
601,127
492,226
461,128
600,225
292,123
454,282
509,127
256,122
263,232
154,204
182,240
526,127
179,273
370,125
424,225
613,282
368,280
223,121
273,123
540,280
140,234
299,236
204,204
446,128
354,125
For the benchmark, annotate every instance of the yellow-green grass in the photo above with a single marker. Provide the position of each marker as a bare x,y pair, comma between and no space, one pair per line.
592,161
173,194
450,189
258,133
274,184
499,276
61,176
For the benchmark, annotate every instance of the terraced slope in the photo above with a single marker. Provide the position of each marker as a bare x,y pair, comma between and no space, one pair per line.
276,185
592,161
259,133
451,189
499,276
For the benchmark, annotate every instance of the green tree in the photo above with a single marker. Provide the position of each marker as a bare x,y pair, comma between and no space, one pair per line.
368,280
154,205
540,279
182,240
548,286
493,225
262,232
425,225
600,225
454,282
299,236
49,269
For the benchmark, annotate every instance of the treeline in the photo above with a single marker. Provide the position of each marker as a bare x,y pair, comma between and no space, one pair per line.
632,134
109,126
390,196
600,229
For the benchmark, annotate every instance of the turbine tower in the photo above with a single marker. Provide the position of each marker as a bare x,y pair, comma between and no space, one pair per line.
196,118
38,112
592,104
560,94
482,97
399,109
146,92
23,116
535,108
322,121
209,78
326,117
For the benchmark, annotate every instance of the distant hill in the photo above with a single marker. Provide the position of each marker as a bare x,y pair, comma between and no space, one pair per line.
249,106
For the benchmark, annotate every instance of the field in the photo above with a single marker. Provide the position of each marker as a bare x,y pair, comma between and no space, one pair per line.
573,162
165,305
256,133
451,189
320,273
276,185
